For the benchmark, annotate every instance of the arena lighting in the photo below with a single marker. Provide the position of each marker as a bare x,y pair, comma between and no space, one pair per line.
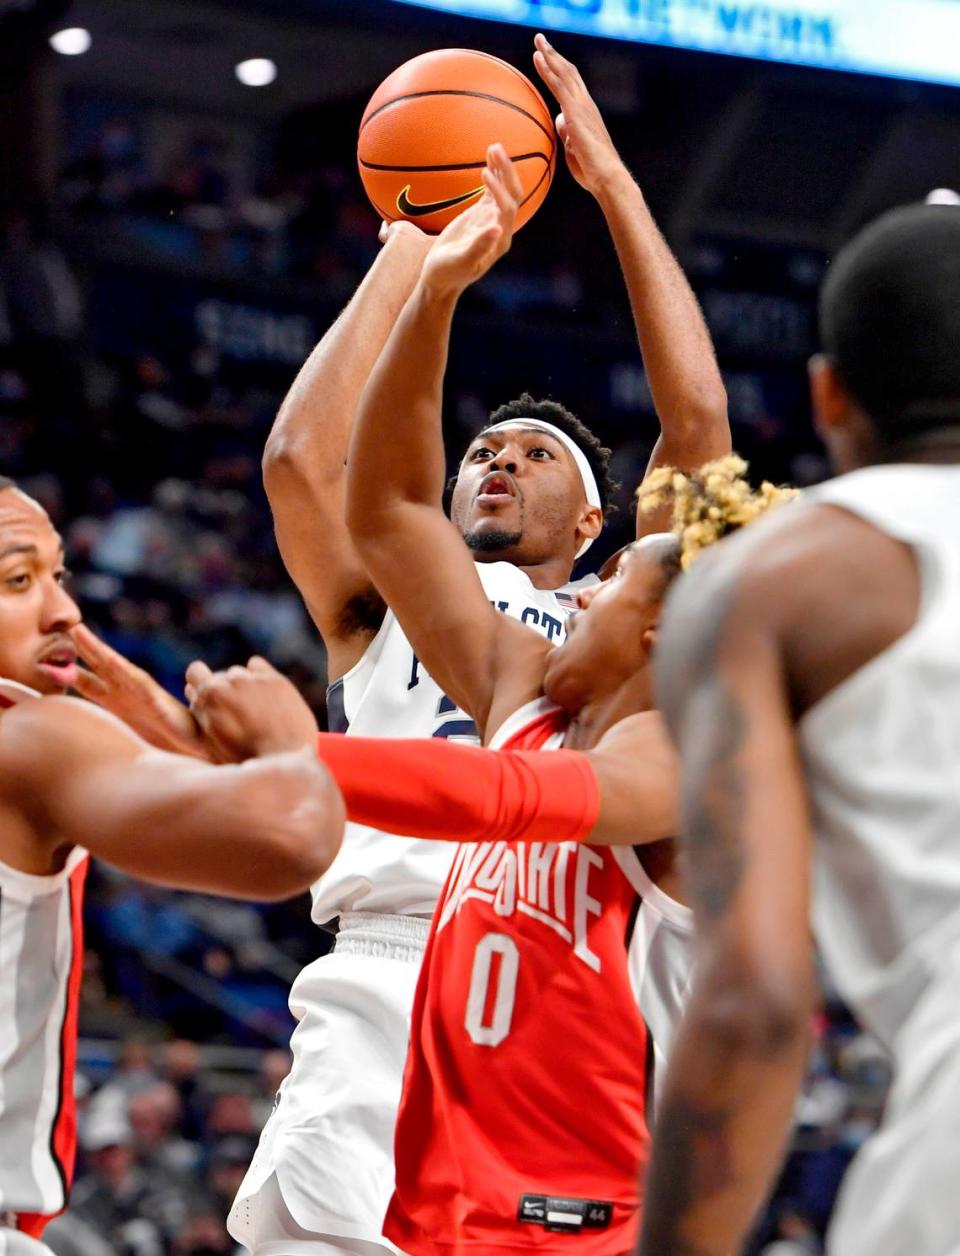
256,72
910,39
72,41
943,196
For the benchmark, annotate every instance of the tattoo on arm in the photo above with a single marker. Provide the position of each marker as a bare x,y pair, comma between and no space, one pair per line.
710,728
693,1160
713,803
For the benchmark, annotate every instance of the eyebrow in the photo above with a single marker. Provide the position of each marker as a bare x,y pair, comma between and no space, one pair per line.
18,549
483,437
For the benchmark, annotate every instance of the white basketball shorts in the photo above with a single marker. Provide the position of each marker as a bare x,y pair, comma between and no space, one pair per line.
329,1141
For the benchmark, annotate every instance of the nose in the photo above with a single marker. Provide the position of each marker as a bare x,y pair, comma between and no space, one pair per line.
60,611
510,458
586,596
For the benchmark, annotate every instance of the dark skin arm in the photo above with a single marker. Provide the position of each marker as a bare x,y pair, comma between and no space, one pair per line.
74,775
675,344
396,475
304,462
746,642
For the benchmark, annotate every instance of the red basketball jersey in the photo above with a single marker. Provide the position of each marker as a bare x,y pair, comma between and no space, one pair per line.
522,1125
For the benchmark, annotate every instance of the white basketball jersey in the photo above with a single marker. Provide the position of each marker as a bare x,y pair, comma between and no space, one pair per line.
660,959
41,953
388,693
882,753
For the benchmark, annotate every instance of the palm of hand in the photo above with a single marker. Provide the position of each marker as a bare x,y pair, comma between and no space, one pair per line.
467,247
587,146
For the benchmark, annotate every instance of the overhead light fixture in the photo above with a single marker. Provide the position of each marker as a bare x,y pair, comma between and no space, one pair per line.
72,41
256,72
943,196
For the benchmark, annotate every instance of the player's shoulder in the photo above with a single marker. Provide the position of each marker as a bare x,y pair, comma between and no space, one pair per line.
792,561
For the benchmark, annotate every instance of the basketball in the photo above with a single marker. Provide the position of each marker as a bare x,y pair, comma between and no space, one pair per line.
425,133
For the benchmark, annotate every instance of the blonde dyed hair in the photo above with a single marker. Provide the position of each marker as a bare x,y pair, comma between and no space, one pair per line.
710,503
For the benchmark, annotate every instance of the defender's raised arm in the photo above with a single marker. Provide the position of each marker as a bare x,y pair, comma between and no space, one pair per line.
675,344
304,462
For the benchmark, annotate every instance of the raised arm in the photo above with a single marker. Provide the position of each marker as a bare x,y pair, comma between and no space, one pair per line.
305,455
264,829
738,1059
396,473
677,352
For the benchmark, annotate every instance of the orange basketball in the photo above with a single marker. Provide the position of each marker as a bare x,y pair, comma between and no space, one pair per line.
425,133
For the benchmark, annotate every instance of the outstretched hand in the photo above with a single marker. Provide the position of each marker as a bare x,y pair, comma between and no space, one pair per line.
469,245
131,694
591,156
249,711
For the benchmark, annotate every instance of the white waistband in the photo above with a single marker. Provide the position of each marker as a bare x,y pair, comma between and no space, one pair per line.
381,936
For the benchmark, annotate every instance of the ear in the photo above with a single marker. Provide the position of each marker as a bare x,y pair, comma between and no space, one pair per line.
648,640
590,523
832,404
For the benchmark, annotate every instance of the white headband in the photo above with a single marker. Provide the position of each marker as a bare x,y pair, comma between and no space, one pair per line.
591,492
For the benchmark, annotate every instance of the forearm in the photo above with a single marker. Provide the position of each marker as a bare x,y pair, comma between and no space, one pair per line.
675,344
264,829
444,790
396,453
312,428
722,1123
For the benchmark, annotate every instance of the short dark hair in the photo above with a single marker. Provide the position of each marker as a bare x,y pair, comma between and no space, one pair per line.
595,452
890,320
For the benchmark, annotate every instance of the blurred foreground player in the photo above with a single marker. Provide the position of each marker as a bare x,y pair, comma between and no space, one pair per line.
74,780
810,673
324,1171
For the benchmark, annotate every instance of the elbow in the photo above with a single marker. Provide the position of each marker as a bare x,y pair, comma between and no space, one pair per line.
282,461
757,1016
307,831
704,425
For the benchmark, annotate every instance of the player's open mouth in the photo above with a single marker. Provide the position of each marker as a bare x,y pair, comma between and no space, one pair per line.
495,489
60,665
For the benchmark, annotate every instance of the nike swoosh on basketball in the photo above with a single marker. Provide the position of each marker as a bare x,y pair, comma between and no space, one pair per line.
414,210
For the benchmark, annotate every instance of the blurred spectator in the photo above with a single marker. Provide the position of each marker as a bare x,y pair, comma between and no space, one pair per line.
796,1235
120,1198
156,1119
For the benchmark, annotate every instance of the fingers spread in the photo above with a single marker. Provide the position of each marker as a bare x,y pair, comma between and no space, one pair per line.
505,185
258,664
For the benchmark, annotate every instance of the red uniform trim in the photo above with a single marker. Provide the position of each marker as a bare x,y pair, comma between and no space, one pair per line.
63,1131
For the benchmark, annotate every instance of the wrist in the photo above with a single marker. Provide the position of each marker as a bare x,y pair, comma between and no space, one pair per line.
405,238
437,294
613,185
